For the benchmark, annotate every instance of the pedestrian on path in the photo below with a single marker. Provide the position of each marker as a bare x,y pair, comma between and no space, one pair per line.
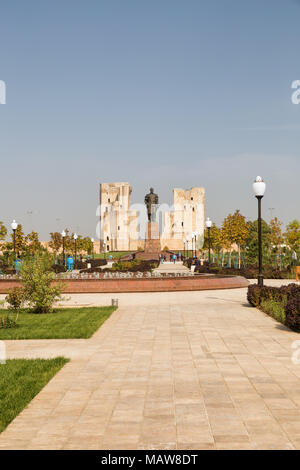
18,265
70,263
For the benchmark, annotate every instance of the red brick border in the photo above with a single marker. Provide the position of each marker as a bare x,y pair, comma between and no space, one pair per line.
74,286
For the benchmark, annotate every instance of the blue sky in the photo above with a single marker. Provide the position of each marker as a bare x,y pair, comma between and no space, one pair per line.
161,93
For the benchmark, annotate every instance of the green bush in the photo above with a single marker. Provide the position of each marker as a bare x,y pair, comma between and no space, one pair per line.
15,299
282,303
134,266
37,279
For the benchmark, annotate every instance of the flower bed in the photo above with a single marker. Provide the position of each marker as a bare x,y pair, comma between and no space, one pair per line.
282,303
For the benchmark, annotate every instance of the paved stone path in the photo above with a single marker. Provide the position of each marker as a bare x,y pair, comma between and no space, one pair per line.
170,267
197,370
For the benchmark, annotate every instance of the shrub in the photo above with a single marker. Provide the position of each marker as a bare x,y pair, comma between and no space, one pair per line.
15,298
97,262
37,280
292,312
282,303
253,295
135,265
58,268
250,272
7,270
80,264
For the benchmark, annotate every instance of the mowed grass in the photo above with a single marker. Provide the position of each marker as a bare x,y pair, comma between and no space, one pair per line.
114,254
20,381
63,323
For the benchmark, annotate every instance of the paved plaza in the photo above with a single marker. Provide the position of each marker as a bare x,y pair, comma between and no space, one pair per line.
185,370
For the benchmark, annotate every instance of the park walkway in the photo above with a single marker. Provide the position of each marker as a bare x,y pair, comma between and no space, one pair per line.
171,267
196,370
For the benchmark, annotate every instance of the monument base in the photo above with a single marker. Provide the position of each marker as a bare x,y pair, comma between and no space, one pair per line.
152,245
152,242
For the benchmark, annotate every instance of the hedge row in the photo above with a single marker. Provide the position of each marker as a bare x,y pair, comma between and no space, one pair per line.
273,299
125,266
249,273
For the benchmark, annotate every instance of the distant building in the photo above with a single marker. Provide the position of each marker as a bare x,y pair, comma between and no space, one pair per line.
123,228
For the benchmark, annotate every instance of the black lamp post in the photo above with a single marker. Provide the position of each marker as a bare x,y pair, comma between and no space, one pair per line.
63,234
75,247
259,188
208,224
92,240
187,247
195,237
14,227
192,237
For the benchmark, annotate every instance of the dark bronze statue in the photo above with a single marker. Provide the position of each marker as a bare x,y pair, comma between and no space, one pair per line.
151,201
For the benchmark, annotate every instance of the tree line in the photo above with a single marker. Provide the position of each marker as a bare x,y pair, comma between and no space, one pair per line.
30,244
236,231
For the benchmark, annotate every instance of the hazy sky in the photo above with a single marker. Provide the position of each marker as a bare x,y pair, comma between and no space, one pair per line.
162,93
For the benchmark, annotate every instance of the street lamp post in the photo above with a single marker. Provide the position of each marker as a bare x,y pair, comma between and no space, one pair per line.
103,247
187,246
14,227
75,247
192,237
92,240
259,188
63,234
196,235
208,224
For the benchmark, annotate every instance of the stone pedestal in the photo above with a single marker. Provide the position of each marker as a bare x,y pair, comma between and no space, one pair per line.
152,242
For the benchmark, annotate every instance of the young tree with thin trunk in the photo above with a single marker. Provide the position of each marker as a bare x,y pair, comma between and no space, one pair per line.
236,231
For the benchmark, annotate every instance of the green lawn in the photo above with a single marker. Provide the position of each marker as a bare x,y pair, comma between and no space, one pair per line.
62,323
20,381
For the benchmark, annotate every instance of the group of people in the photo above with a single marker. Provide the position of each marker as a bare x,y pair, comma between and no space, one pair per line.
173,257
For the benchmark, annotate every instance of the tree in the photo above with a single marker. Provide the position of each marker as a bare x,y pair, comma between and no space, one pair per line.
37,280
56,241
275,236
3,231
87,245
236,230
252,241
33,244
216,238
292,235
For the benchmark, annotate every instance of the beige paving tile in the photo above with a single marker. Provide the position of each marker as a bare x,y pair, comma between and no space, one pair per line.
167,371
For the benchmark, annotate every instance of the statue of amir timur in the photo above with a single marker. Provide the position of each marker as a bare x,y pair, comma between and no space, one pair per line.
151,201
